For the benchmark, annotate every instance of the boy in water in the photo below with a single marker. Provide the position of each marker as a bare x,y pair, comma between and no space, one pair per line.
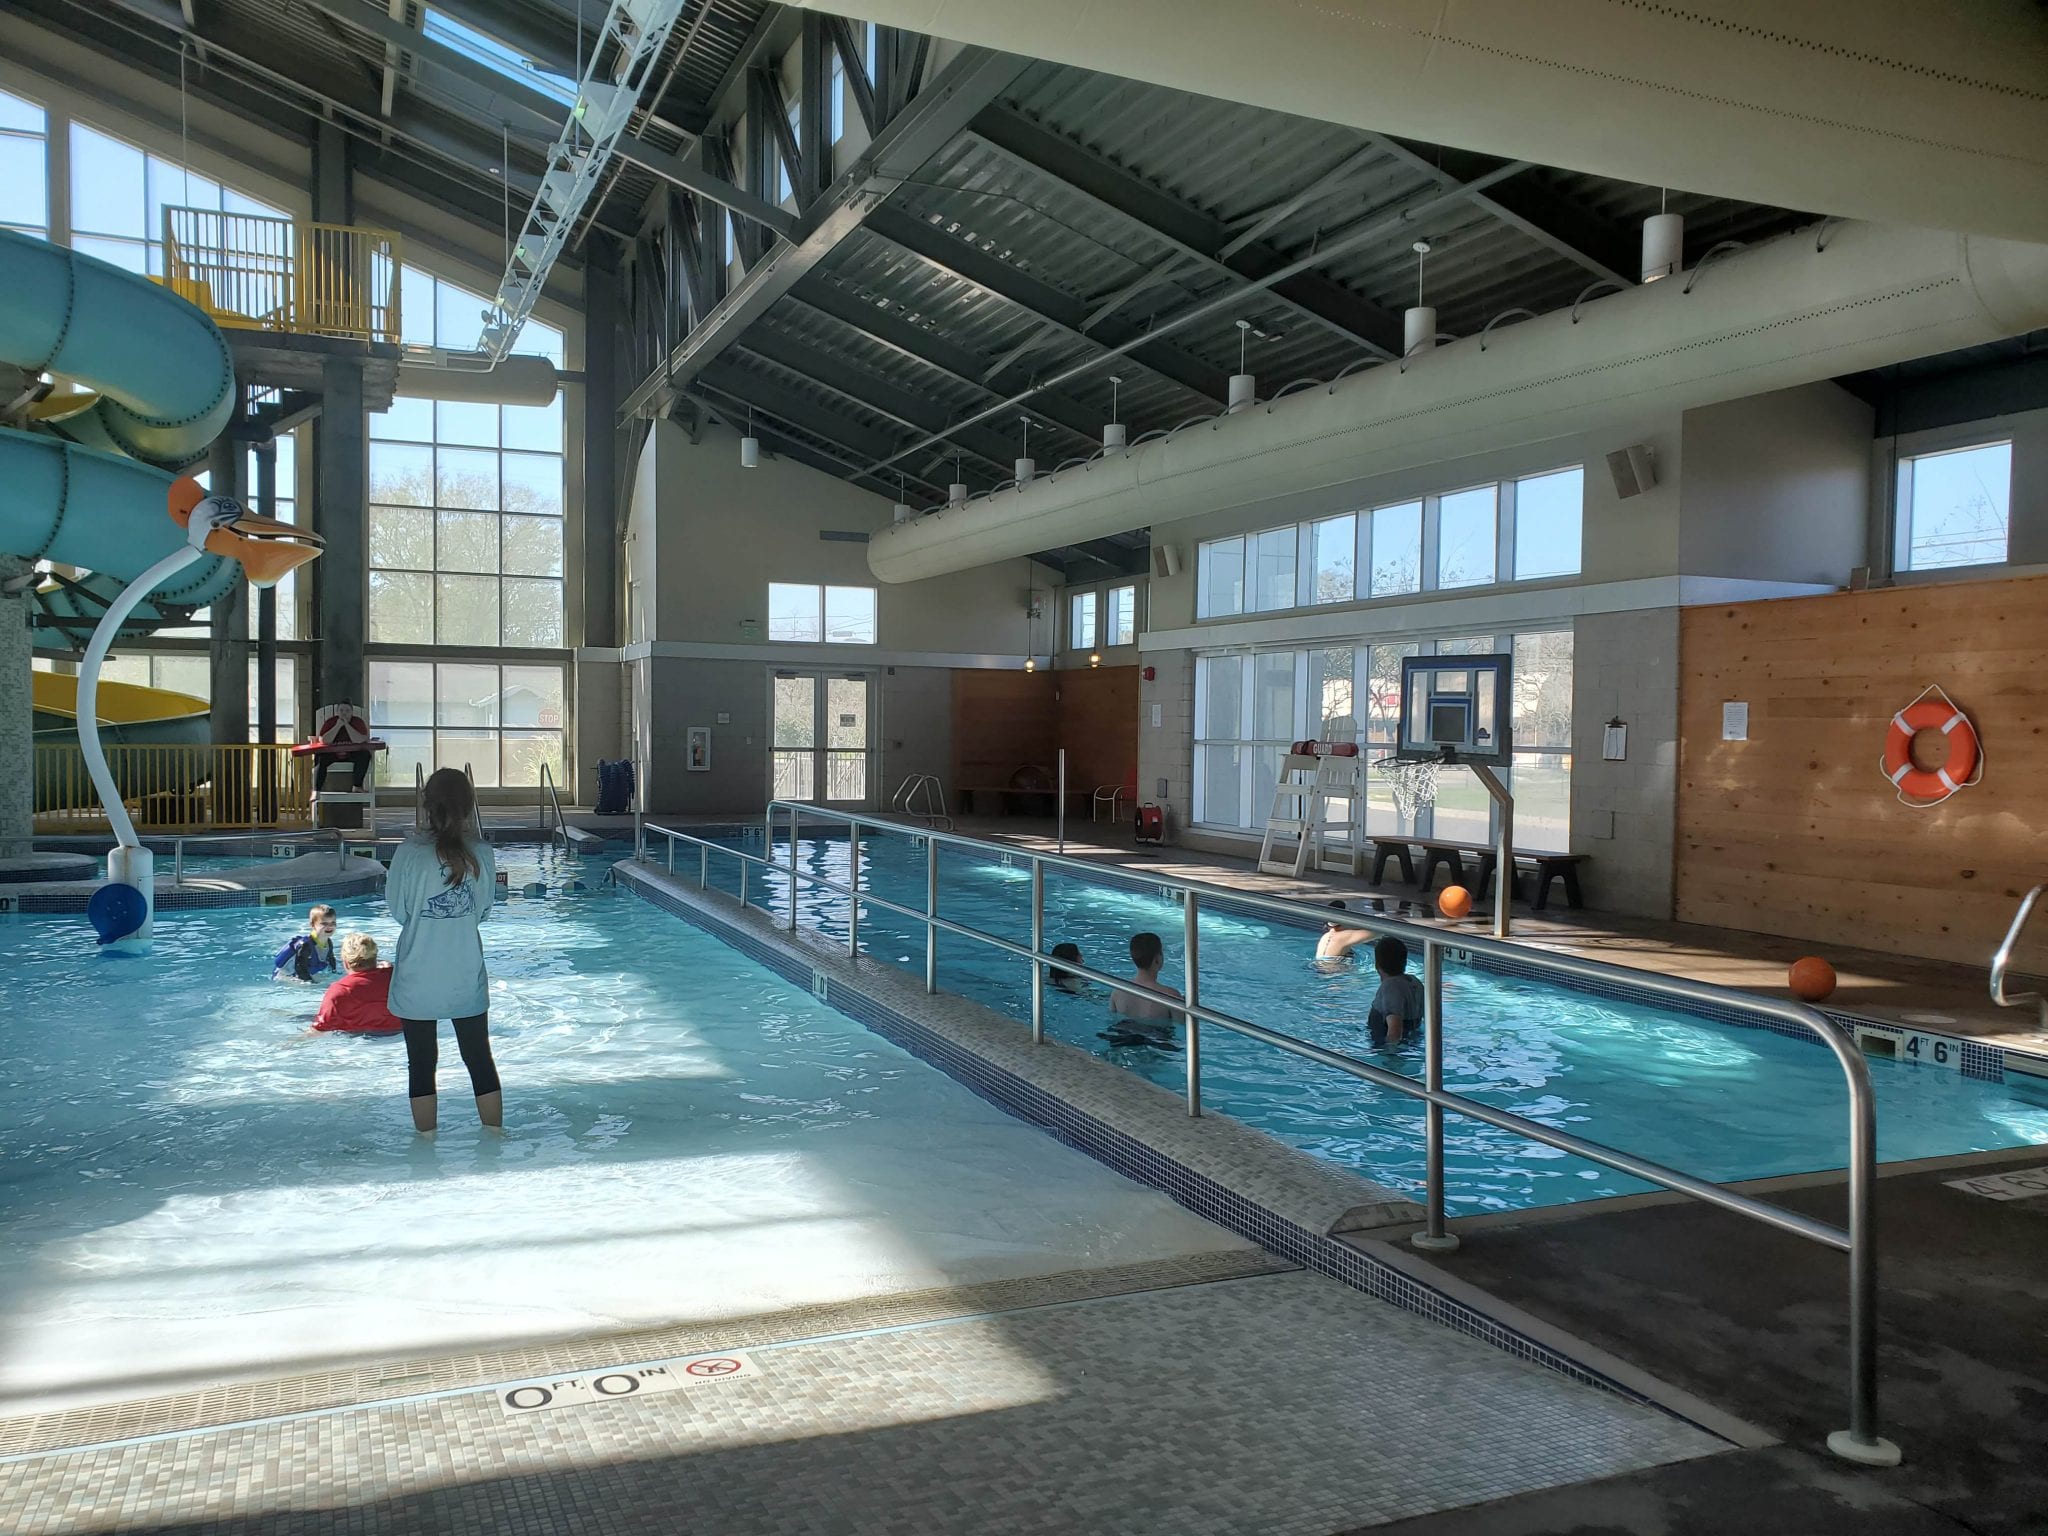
312,952
1067,981
1338,941
359,1003
1397,1007
1151,1020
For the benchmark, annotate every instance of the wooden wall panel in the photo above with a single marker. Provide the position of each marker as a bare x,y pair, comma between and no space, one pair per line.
1796,832
1098,725
1002,721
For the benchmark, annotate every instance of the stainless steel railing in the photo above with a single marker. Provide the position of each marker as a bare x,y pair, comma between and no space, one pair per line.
923,796
1859,1443
2002,961
178,845
549,798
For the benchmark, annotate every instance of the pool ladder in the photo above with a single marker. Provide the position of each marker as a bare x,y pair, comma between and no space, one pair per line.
2001,962
924,797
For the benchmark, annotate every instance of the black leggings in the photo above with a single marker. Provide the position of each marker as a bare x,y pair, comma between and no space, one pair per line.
423,1054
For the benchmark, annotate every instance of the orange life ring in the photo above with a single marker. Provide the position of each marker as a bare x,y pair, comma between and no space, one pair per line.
1936,784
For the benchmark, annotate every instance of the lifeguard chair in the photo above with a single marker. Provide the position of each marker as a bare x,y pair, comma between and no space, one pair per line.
341,736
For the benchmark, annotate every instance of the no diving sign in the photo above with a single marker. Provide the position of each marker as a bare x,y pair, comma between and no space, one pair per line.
2022,1184
620,1382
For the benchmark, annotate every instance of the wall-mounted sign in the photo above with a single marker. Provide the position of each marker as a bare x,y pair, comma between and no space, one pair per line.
1735,722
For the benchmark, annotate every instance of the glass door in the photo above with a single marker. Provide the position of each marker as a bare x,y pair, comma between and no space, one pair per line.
820,737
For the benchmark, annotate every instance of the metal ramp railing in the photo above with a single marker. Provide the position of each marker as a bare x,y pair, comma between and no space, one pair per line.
550,800
2001,962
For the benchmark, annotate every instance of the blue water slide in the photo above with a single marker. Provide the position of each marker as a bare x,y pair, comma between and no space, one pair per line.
167,388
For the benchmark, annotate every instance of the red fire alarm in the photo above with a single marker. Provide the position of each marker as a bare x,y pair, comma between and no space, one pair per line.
1149,673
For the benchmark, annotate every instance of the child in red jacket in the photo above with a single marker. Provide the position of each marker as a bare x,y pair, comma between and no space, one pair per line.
359,1003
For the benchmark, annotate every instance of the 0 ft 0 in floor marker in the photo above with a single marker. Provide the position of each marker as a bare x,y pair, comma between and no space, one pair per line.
621,1382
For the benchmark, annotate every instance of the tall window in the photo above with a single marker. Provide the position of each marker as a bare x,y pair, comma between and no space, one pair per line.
1248,707
188,672
1123,615
835,93
1327,568
119,193
465,501
1467,537
1549,524
785,189
24,167
1081,622
1955,508
500,722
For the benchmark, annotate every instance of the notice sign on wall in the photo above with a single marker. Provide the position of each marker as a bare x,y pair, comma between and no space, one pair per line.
1735,722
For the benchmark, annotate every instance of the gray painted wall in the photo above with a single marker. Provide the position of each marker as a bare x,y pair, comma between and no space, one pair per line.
1777,486
1625,665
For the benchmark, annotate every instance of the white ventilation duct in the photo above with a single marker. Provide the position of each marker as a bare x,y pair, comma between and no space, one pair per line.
1893,110
1813,305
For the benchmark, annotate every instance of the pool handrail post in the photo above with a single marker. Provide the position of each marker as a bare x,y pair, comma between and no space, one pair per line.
703,864
1037,951
341,848
1860,1443
931,910
853,884
1191,982
1433,1238
178,862
671,855
1060,802
793,814
1503,846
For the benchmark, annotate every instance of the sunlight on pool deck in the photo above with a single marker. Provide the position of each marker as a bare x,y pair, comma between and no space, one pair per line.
197,1200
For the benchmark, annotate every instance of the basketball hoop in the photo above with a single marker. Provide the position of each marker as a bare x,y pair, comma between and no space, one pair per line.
1413,781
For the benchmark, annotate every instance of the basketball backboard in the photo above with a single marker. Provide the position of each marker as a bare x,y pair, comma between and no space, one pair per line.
1456,708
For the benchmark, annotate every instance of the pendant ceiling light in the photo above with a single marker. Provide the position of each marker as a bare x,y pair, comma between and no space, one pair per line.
1243,387
750,445
956,493
1418,323
1663,245
1114,434
1026,466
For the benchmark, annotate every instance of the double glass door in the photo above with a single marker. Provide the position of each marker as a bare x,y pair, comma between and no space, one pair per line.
819,731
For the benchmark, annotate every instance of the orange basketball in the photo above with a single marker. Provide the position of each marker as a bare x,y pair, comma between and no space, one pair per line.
1812,979
1454,901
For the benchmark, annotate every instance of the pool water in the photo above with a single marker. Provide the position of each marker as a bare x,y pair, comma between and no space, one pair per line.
1720,1101
188,1181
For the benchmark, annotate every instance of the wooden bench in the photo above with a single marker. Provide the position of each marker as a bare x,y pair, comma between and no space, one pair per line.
1439,853
1005,796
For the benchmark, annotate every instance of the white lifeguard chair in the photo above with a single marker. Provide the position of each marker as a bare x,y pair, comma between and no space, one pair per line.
1313,775
340,729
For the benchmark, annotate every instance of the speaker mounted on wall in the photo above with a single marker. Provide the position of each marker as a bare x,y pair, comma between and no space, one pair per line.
1165,560
1634,469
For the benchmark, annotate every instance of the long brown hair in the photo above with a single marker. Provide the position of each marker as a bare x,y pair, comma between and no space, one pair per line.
448,805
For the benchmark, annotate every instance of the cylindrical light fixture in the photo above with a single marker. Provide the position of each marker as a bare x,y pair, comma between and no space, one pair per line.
1418,322
1026,465
750,445
1243,387
1663,245
1115,436
901,511
956,493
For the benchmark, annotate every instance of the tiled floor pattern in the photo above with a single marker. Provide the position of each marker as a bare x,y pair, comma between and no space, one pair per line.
235,1401
1283,1404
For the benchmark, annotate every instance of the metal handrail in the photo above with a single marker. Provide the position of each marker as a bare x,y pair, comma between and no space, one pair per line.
1859,1443
915,797
2002,961
178,844
548,796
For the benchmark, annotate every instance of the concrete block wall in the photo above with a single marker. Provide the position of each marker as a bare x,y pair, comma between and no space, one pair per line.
1624,813
1166,750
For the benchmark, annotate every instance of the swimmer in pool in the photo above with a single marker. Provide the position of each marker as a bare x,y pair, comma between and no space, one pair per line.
1396,1012
1142,1020
312,952
1067,981
1337,941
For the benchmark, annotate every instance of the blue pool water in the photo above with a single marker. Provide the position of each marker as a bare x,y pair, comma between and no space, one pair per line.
1720,1101
188,1181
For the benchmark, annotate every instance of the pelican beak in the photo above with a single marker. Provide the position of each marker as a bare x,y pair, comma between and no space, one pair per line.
266,549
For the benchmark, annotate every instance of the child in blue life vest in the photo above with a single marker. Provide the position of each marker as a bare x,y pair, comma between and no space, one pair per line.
312,952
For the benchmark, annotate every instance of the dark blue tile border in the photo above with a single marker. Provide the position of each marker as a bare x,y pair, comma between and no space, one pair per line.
1128,1156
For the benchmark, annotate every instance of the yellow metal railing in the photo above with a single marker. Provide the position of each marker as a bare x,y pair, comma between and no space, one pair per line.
259,273
176,788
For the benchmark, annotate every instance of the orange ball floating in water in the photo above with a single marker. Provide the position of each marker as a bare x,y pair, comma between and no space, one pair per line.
1454,901
1812,979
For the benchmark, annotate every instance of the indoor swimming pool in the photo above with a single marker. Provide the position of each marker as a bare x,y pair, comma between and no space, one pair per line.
1720,1101
186,1180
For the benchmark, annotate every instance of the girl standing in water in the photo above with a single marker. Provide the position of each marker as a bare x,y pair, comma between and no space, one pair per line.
442,883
